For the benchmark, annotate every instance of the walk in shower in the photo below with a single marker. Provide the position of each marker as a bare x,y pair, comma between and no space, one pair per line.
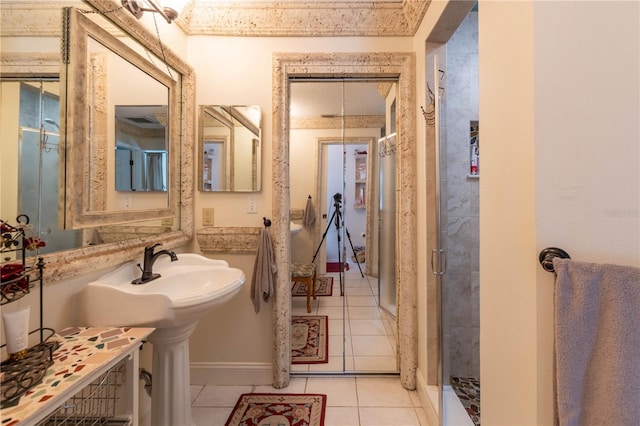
455,127
31,114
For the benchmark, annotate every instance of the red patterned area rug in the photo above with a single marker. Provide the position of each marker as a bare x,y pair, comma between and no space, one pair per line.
324,287
274,409
309,343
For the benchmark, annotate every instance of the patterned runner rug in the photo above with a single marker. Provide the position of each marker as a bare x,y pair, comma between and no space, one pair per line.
258,409
324,287
468,391
309,343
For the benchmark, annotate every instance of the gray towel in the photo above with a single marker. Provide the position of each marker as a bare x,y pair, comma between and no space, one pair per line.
264,269
596,344
309,214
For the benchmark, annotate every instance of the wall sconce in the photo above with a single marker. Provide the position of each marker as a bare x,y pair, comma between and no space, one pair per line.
170,9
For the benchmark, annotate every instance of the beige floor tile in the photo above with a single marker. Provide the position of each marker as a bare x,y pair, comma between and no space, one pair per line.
341,392
220,396
371,346
338,346
210,416
335,365
387,416
364,312
361,301
359,291
375,363
422,417
337,327
330,301
382,392
367,327
195,391
341,416
334,312
299,368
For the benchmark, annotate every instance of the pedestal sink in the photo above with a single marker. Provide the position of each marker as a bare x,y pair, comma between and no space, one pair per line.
172,304
294,228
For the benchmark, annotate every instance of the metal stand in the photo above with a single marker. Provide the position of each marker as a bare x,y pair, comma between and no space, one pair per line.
336,217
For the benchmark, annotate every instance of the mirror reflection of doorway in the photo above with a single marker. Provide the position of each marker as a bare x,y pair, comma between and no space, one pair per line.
30,153
335,125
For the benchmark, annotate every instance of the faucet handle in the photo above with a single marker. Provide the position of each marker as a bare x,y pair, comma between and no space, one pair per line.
150,248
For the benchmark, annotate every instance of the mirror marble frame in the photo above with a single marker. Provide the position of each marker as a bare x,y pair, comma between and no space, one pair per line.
85,174
229,147
345,65
70,263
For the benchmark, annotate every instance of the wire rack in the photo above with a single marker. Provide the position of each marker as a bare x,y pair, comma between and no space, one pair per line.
95,404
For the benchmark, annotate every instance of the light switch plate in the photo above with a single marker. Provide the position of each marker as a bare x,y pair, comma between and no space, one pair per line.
252,205
207,216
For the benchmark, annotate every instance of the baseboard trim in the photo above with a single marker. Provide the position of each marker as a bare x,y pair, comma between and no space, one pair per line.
430,409
231,373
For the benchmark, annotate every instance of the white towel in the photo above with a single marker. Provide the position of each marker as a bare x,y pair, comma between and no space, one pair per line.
309,214
596,344
264,270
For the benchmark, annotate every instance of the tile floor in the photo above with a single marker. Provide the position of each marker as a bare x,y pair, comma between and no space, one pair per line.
351,401
369,346
366,341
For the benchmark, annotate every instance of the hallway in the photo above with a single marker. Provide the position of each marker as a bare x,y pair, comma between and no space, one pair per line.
370,341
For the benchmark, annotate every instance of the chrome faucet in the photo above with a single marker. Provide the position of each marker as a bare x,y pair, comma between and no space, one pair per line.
149,259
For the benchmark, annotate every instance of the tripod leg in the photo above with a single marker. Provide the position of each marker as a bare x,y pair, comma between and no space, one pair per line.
340,266
353,251
323,237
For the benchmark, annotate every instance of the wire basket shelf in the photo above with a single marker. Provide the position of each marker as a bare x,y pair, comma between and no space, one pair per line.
95,404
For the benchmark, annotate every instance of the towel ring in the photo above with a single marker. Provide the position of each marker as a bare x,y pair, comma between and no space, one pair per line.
267,222
547,255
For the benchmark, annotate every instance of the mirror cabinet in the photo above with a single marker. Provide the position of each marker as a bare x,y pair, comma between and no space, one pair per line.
230,148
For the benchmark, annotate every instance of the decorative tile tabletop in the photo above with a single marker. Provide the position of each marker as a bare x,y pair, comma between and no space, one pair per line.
82,352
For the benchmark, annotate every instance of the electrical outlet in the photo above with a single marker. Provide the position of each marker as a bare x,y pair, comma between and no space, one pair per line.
207,216
252,206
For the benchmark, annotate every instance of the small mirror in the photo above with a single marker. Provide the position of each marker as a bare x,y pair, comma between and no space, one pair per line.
141,148
230,148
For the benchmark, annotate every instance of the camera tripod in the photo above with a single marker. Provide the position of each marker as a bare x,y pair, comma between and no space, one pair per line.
336,218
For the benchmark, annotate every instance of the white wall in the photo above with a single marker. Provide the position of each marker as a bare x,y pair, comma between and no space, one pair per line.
238,71
559,109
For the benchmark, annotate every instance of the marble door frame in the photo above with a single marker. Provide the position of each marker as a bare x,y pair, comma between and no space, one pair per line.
345,65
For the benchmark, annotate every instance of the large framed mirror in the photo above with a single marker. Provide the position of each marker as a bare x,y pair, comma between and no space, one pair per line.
230,153
94,123
30,62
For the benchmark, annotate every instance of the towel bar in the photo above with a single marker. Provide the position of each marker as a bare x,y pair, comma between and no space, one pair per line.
547,255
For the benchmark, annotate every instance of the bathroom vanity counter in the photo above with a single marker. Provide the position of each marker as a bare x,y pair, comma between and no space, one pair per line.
85,354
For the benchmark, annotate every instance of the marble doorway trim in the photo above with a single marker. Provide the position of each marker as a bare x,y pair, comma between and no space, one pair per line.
346,65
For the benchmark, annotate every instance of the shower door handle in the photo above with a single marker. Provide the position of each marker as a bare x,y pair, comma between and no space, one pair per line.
441,255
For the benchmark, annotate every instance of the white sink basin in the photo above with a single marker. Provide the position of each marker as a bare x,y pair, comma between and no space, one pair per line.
186,289
294,228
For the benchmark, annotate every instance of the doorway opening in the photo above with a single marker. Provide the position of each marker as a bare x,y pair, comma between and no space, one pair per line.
400,66
342,122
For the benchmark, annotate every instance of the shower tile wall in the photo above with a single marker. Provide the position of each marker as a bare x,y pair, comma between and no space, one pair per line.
460,210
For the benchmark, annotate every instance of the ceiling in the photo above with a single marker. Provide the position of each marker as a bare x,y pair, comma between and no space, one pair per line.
298,18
